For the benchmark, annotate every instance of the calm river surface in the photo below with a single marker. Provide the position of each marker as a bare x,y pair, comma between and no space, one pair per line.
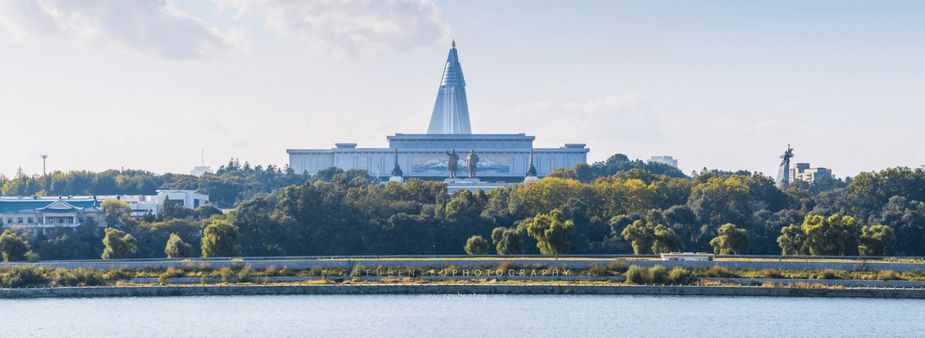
428,316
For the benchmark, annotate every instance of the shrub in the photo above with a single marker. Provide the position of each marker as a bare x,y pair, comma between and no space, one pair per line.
246,274
657,275
23,277
598,270
506,265
117,274
77,277
718,271
226,274
618,266
887,275
357,270
635,275
680,275
770,273
827,274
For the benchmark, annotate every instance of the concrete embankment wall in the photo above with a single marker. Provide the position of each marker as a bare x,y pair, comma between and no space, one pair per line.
459,290
573,263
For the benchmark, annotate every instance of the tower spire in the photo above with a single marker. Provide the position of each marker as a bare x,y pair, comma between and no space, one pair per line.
451,110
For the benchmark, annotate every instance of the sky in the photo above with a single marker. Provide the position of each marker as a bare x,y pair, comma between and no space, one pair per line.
109,84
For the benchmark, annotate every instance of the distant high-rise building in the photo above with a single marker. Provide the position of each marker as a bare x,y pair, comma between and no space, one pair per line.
806,173
451,111
665,159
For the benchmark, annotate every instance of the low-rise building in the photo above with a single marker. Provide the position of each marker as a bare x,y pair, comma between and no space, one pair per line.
804,172
687,256
41,213
151,204
664,160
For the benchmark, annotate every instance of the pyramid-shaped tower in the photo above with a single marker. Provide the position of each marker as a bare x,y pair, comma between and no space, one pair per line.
451,111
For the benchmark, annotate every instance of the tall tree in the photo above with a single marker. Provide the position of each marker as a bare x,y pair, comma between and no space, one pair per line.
177,248
507,241
665,240
876,240
551,232
833,235
220,239
117,244
13,248
640,235
116,212
730,240
791,240
476,245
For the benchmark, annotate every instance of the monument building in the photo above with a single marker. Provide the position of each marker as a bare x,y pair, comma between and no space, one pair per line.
449,149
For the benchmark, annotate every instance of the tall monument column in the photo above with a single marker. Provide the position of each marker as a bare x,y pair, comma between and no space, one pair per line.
451,111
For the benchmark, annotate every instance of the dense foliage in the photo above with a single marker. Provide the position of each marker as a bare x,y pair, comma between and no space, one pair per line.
616,206
230,184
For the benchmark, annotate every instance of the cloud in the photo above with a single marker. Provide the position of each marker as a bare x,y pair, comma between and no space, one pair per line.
151,26
348,27
626,118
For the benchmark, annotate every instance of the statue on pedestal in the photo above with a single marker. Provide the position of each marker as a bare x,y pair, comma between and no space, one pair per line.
472,161
452,162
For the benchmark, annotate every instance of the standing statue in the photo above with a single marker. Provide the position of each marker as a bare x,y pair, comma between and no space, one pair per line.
472,161
452,163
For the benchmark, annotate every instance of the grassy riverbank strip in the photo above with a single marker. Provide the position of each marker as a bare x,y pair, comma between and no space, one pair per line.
457,290
616,278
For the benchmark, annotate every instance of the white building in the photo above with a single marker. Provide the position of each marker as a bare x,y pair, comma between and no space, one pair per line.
200,170
41,213
804,172
502,157
664,159
151,204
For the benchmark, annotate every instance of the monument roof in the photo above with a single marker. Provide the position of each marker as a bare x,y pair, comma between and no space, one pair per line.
451,110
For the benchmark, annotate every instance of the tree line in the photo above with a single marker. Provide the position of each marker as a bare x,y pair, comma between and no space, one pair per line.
231,183
614,206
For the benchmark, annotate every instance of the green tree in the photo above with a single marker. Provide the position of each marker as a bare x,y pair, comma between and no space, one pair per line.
476,245
665,240
791,240
177,248
835,235
220,239
551,232
116,212
876,240
730,240
507,241
641,235
117,244
14,248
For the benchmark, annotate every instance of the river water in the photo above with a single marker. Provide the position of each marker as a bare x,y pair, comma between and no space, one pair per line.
461,316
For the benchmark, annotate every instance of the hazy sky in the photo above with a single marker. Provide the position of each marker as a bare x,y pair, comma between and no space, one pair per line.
101,84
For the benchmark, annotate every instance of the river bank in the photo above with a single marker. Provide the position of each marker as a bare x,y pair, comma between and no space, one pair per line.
458,290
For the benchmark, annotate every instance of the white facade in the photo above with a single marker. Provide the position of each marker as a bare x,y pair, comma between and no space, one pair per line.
804,172
664,160
151,204
200,170
41,213
504,157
